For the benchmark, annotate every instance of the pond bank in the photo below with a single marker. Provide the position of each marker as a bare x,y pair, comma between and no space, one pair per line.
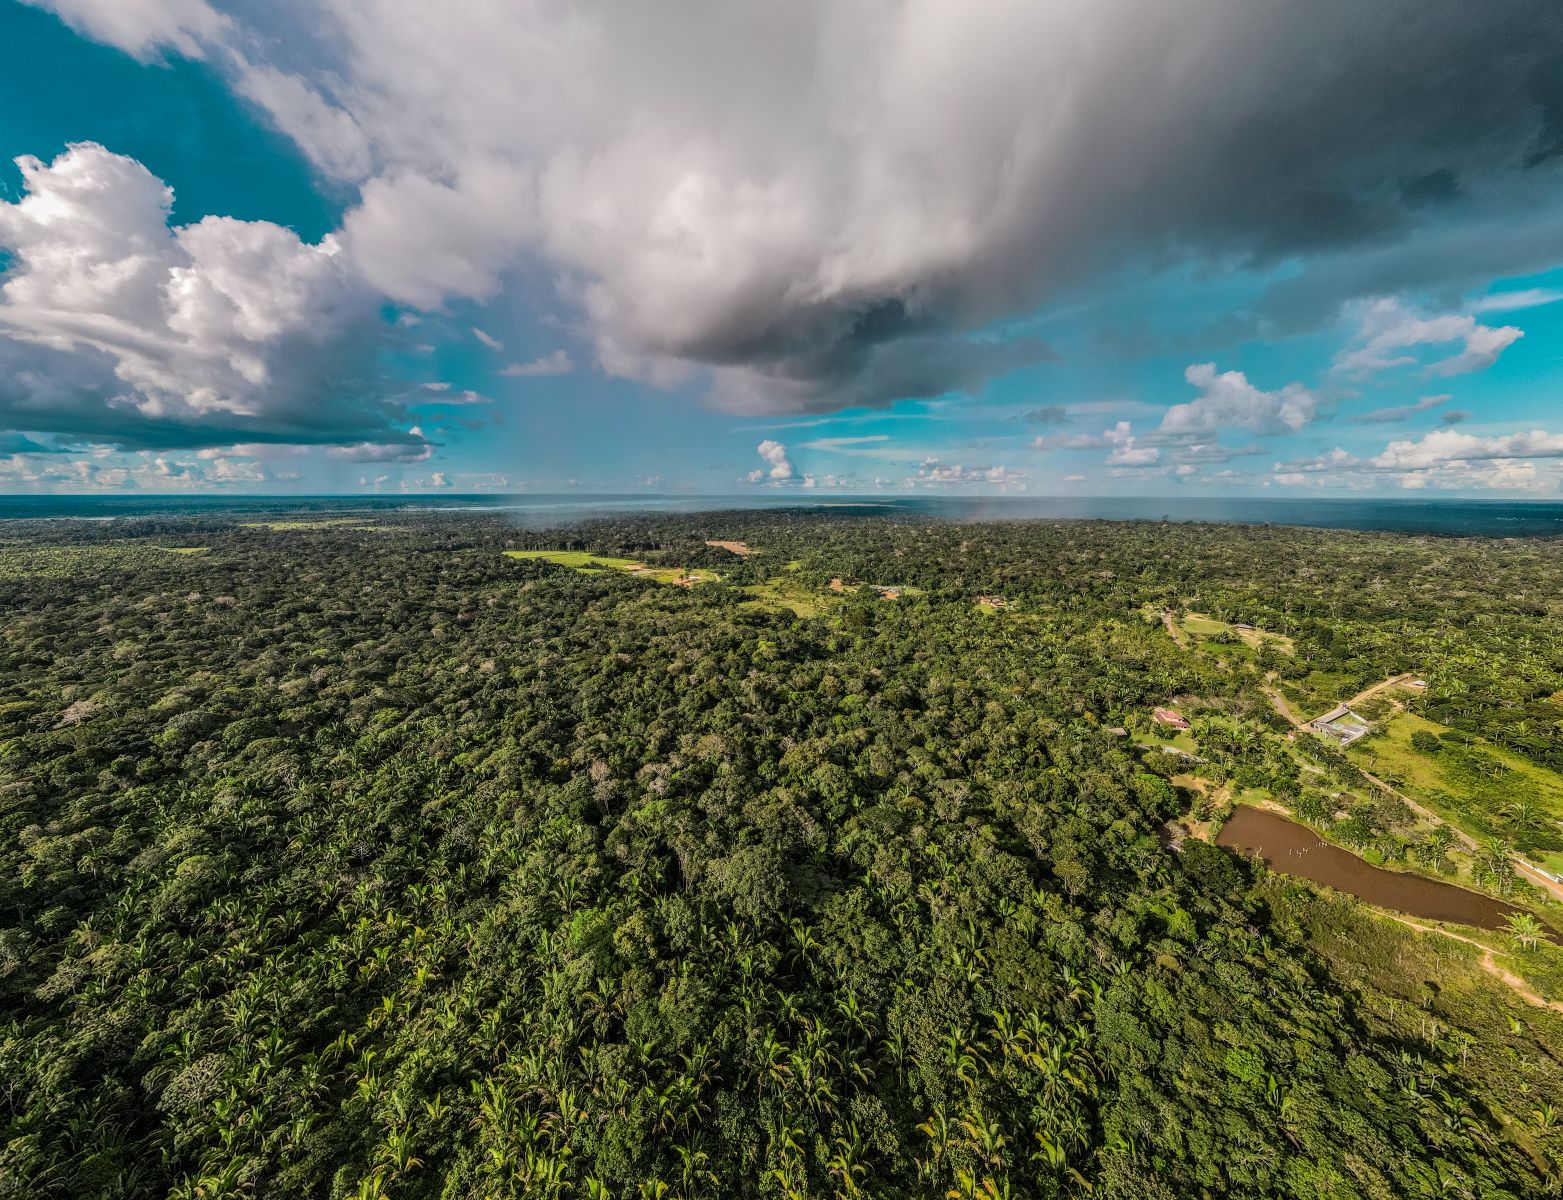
1294,849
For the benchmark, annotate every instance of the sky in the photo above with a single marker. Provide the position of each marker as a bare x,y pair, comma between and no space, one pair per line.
1082,247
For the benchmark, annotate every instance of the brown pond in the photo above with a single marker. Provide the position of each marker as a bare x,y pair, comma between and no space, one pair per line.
1294,849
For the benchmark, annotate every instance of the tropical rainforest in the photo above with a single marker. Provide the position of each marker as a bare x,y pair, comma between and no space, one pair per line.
355,857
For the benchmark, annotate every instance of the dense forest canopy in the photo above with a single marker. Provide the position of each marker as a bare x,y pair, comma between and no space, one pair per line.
357,859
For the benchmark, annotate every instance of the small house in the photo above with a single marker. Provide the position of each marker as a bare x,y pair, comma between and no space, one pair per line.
1169,718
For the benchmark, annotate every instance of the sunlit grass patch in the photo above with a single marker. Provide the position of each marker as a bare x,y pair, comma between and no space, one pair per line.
1204,628
779,594
1480,787
581,560
585,560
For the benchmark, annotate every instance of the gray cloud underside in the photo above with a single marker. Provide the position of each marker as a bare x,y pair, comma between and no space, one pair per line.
825,202
75,396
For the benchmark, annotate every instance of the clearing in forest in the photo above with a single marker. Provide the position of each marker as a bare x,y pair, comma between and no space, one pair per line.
581,560
785,594
741,549
1476,786
1208,629
585,560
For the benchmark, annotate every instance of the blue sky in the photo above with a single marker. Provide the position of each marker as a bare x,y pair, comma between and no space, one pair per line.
576,248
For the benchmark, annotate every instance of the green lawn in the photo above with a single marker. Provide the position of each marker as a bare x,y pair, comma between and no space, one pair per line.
1182,740
1487,791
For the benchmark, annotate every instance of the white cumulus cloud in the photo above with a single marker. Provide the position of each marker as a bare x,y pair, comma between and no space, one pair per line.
116,327
774,453
1389,329
827,204
1227,400
1451,445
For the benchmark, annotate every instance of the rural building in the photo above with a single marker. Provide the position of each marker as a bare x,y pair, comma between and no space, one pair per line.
1340,725
1166,716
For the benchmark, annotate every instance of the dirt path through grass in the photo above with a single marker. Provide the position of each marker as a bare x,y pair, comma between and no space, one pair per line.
1171,623
1489,963
1283,706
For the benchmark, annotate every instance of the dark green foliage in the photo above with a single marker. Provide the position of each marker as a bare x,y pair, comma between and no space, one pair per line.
347,863
1426,742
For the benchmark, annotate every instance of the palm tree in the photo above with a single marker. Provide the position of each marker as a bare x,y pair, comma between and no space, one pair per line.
1524,929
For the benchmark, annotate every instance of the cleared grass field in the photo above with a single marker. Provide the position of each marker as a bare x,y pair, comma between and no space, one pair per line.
1485,790
581,560
780,594
585,560
1203,628
1182,740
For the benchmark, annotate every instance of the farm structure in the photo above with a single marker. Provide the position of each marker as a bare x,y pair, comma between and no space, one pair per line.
1340,725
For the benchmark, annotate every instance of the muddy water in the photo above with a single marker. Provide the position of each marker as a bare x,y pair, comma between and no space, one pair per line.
1295,849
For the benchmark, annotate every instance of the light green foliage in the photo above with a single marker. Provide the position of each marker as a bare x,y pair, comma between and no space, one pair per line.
784,594
583,560
304,526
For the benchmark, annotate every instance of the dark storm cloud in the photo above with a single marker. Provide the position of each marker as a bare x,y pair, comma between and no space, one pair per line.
827,200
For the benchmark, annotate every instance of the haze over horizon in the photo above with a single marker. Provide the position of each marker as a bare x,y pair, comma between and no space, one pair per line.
1120,248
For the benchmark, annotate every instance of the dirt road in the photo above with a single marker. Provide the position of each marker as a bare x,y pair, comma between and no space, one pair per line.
1283,706
1368,693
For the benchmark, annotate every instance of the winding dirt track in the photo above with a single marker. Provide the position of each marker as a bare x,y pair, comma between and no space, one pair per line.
1489,963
